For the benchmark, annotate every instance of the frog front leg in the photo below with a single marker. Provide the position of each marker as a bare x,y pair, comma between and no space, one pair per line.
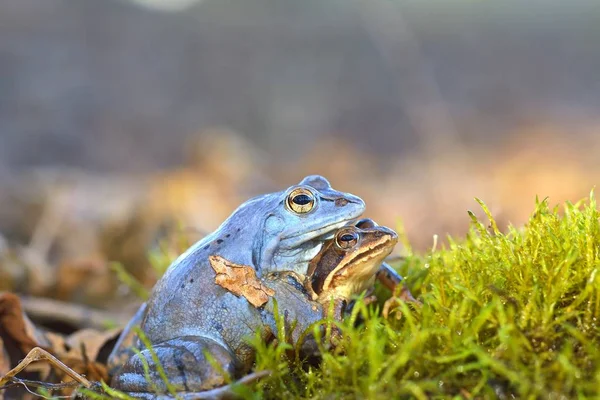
186,365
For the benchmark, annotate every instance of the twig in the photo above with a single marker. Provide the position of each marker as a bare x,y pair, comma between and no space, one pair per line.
14,381
77,315
22,382
39,354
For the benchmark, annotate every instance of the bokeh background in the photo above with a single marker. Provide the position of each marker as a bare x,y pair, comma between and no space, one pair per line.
126,123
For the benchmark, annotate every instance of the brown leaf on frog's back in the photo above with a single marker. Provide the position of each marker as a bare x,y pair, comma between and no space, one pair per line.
240,280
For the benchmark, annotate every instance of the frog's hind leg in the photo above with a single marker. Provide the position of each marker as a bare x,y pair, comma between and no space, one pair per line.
185,363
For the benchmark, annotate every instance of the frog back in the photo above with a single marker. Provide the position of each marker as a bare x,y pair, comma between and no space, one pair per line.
187,302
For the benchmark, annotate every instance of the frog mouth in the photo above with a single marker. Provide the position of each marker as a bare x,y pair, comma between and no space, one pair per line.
371,253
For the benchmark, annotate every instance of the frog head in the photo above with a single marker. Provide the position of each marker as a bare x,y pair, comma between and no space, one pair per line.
347,264
286,229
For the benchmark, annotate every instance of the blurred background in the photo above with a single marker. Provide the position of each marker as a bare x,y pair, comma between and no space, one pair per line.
125,123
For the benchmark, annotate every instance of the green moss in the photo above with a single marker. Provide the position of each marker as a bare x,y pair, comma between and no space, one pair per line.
504,315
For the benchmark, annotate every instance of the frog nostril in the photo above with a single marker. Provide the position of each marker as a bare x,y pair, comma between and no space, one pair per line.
341,202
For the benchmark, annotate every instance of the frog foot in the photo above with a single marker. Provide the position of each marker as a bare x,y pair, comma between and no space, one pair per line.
370,299
182,361
405,296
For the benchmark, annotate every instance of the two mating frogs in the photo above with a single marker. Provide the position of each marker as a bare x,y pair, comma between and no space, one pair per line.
274,249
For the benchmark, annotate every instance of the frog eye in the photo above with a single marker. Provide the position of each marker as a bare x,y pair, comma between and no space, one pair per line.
300,200
346,239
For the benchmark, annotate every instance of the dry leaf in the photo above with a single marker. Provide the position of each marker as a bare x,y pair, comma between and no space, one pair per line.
240,280
92,339
14,328
18,335
4,361
79,352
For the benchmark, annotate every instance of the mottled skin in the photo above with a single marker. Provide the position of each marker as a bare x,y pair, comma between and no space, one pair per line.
188,313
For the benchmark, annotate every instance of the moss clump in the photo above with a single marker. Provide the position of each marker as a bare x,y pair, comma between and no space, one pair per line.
506,315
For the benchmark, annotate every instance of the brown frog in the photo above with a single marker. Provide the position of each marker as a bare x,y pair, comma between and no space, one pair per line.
350,263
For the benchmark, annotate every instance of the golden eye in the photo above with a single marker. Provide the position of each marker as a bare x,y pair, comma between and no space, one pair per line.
301,200
346,239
